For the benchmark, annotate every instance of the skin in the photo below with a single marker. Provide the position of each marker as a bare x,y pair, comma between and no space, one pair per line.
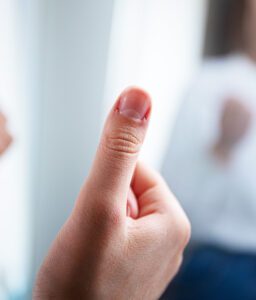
234,125
105,251
5,137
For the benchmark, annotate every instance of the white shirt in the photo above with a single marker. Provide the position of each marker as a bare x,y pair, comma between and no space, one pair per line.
220,201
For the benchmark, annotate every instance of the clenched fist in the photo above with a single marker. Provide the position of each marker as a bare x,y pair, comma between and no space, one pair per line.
106,251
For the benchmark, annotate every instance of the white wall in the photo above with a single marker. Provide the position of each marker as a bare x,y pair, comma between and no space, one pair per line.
14,166
76,38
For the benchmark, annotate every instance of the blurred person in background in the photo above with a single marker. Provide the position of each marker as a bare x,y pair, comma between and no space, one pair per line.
5,137
211,164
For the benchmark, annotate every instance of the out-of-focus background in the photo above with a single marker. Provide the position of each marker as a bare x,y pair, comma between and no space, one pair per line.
62,64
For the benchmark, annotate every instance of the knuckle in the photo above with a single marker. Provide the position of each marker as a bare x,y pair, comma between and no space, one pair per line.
101,225
179,226
107,219
122,142
180,232
175,265
184,232
178,264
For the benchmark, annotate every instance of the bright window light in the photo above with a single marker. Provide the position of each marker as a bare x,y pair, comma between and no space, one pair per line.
155,45
14,232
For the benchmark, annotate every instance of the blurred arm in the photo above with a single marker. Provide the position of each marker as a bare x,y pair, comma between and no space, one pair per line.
234,125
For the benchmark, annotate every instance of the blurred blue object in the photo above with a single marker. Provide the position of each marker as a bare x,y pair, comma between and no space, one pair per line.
202,278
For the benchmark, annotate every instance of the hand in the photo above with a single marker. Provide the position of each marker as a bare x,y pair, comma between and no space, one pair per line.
101,253
5,138
235,123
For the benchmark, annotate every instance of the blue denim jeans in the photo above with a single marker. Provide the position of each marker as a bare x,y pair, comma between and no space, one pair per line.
210,273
